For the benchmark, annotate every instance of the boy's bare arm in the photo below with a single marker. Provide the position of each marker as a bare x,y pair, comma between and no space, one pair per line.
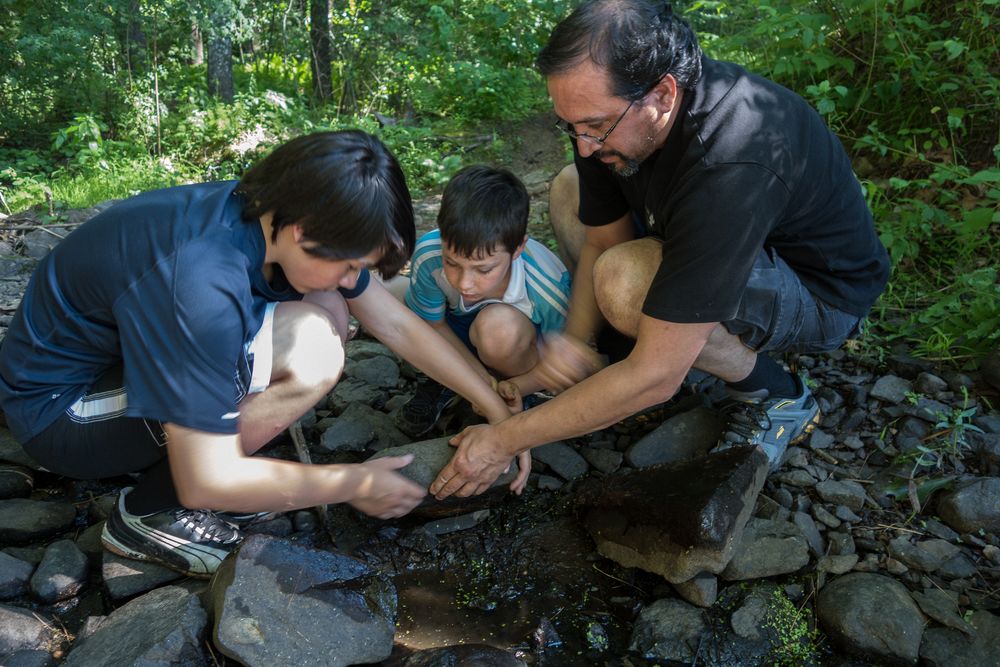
442,328
211,470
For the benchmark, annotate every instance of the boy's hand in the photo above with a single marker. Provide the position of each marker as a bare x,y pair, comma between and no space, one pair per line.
523,468
565,361
384,493
511,394
480,459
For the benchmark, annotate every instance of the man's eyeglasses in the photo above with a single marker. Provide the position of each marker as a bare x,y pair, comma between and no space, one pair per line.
568,129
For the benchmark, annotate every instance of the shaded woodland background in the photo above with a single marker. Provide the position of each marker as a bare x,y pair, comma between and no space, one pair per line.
100,100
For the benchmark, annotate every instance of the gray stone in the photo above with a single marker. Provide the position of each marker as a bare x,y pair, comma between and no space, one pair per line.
361,348
378,371
603,460
807,527
24,630
841,542
668,630
823,515
973,506
768,548
705,506
946,647
957,567
15,481
926,555
844,513
348,392
163,627
125,577
941,606
23,520
748,621
61,574
280,603
930,384
561,459
361,427
871,616
795,478
429,456
547,482
989,368
820,440
37,244
891,388
12,452
701,591
456,523
850,494
837,564
14,576
35,658
682,437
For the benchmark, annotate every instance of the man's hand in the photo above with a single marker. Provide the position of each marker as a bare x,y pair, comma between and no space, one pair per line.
477,463
384,493
565,361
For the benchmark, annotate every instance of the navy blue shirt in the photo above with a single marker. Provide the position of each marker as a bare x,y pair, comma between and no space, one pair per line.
748,165
170,285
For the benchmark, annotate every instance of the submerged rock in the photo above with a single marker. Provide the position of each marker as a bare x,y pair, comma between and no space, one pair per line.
669,630
703,506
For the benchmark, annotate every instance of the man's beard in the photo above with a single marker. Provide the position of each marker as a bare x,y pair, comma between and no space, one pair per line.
629,166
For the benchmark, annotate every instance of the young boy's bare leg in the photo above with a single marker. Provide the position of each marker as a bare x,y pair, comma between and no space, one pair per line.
505,340
308,358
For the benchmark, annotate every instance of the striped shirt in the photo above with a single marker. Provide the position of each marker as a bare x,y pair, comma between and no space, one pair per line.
539,285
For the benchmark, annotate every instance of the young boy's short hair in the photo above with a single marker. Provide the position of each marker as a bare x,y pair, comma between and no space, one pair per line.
346,190
482,208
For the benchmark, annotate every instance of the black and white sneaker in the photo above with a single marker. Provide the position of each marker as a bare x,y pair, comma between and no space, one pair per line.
246,519
420,414
193,542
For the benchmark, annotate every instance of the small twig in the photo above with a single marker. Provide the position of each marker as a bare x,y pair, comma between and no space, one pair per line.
611,576
49,231
7,227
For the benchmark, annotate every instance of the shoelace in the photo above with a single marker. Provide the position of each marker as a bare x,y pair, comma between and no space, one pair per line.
206,525
745,421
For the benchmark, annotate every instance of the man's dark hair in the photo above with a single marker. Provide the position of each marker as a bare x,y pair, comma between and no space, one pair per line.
637,41
346,190
482,208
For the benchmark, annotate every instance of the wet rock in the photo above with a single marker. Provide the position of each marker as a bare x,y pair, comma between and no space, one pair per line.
850,494
682,437
947,647
767,548
473,655
378,371
891,389
14,576
126,577
279,603
972,506
165,626
807,528
24,630
871,616
709,501
61,574
701,591
943,608
15,481
668,630
603,460
429,456
561,459
23,520
361,427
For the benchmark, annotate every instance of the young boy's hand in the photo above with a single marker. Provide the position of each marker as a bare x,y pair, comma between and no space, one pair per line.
384,493
511,395
565,361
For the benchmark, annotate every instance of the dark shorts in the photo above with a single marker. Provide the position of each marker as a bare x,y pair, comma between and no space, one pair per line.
778,314
93,438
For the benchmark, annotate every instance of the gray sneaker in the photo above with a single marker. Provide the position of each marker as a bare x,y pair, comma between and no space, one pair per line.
421,413
756,420
192,542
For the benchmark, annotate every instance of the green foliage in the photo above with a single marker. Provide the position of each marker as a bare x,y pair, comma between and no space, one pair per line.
911,87
796,637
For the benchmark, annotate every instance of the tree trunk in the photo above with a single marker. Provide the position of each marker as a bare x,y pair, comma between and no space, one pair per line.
197,45
319,36
220,55
220,67
135,38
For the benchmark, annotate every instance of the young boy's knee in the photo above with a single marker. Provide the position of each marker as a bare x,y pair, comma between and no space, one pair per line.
502,335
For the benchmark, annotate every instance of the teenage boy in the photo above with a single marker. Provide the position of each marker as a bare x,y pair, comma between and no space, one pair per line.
181,330
487,288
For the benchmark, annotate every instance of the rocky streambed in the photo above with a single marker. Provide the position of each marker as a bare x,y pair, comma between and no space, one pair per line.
876,542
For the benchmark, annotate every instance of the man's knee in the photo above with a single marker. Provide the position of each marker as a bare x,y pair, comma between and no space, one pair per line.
308,345
564,215
622,276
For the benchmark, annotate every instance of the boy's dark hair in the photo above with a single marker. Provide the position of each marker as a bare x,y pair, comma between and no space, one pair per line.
637,41
346,190
482,208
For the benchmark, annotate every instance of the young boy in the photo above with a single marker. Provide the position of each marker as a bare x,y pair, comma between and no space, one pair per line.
181,330
487,288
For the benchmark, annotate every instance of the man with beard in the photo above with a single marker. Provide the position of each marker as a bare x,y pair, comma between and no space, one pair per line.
711,216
